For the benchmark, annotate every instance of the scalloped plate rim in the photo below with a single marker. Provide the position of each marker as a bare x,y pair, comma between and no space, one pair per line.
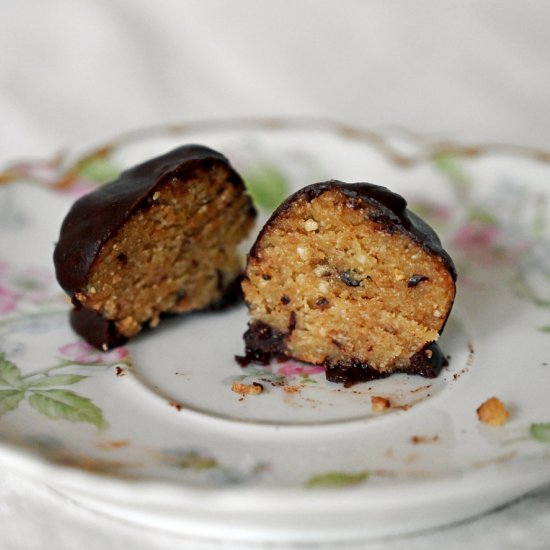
25,462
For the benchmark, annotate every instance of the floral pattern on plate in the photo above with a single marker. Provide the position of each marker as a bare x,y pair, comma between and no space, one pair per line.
162,409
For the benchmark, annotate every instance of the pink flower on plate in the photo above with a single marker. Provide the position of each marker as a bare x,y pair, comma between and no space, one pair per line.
114,356
477,238
489,244
8,300
81,352
290,368
79,188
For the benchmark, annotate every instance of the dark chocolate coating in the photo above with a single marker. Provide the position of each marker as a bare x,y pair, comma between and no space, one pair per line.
262,342
96,217
95,329
356,371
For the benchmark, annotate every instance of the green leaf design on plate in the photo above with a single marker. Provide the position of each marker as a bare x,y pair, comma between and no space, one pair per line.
267,187
524,289
545,328
10,399
195,461
10,375
540,431
99,169
58,380
449,165
306,379
337,479
67,405
482,215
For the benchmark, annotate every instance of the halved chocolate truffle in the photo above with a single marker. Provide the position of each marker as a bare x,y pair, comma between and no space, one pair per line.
161,238
344,275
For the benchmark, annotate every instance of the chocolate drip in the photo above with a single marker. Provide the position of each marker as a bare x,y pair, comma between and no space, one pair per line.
428,365
262,342
96,329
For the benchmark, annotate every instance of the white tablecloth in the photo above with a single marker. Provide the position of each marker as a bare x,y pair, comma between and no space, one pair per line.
74,72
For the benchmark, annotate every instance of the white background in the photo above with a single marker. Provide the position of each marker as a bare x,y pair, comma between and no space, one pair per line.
74,72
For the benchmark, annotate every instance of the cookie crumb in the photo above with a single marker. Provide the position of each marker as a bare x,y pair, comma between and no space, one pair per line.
379,404
493,412
247,389
176,405
119,371
292,389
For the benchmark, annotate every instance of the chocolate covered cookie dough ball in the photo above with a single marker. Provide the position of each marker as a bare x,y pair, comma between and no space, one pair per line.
161,238
344,275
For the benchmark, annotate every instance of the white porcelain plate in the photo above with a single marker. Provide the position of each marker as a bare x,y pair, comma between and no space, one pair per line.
154,433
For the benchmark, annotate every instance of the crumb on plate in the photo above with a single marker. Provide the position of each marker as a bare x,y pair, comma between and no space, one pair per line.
493,412
379,404
423,439
247,389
